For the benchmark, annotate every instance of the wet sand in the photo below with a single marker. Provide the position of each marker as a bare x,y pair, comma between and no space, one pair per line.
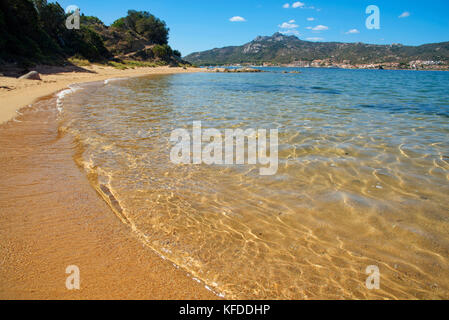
51,217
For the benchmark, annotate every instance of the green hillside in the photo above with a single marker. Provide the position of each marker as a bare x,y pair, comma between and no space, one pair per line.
282,49
34,32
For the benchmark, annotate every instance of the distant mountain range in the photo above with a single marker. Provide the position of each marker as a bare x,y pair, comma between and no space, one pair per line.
280,49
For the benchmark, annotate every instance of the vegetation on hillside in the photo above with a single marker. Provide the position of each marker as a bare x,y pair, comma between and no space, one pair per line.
282,49
144,24
34,31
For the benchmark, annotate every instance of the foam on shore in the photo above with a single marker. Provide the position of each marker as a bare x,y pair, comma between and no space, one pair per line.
107,81
62,94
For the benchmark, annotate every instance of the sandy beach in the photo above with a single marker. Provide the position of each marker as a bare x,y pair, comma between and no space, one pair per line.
51,217
16,93
86,181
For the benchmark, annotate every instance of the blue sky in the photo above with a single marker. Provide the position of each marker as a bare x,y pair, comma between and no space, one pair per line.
197,25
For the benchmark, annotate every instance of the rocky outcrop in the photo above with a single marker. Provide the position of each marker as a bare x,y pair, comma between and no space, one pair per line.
33,75
240,70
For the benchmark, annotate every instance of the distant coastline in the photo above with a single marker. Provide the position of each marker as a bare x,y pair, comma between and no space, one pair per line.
280,50
419,66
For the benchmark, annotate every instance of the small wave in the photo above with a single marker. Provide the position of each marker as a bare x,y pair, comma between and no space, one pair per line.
107,81
60,96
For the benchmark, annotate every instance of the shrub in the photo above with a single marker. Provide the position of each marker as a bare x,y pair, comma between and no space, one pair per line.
144,24
119,23
162,52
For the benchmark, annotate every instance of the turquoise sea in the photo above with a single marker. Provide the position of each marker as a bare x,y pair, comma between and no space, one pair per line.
363,178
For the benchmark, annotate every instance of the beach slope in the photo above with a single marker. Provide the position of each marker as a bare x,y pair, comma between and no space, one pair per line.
51,217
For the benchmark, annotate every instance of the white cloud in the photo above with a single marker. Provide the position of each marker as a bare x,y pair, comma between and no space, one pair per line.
290,32
237,19
315,39
292,21
298,4
319,27
287,25
353,31
405,14
310,19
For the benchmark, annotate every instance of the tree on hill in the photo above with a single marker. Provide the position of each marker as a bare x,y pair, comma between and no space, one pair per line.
90,20
51,17
34,31
162,52
21,33
144,24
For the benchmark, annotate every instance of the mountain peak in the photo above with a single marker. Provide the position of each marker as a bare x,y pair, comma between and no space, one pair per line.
277,36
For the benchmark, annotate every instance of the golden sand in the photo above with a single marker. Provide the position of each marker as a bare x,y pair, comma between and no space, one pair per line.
342,202
50,216
369,203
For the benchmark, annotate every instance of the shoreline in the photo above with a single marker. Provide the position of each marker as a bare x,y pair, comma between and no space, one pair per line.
324,67
51,217
18,93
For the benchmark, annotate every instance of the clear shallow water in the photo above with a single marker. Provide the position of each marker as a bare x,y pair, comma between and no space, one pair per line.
362,180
